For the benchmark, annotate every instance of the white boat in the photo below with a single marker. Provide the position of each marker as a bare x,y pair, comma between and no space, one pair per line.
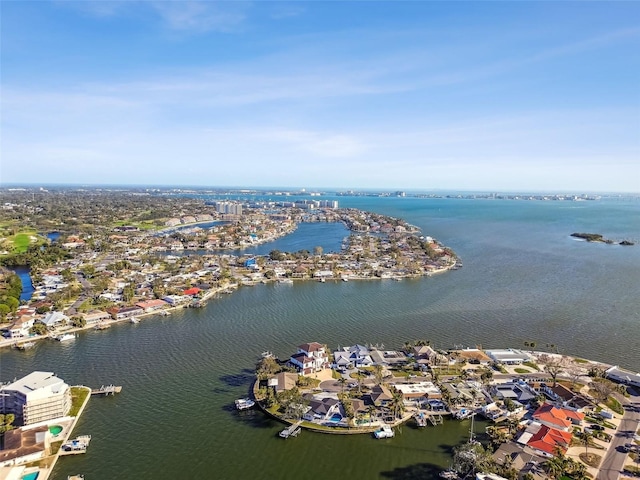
134,320
165,313
463,413
267,354
65,336
244,403
384,432
345,279
286,281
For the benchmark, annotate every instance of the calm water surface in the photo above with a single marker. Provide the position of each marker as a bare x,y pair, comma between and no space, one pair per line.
524,279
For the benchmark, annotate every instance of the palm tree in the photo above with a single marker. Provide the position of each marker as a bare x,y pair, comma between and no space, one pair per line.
397,403
586,438
359,376
377,372
371,410
342,381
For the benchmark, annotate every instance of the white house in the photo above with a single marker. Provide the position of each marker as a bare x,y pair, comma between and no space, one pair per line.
623,376
352,357
21,327
509,356
54,319
311,357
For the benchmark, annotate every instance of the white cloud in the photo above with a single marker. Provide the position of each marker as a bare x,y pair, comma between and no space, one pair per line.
201,16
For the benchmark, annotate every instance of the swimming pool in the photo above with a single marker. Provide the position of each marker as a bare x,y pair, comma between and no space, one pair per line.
336,418
30,476
54,430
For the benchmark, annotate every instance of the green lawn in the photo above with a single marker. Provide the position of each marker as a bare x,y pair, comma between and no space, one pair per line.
22,240
522,370
78,396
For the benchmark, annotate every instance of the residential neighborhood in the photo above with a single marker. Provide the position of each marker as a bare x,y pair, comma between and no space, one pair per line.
544,411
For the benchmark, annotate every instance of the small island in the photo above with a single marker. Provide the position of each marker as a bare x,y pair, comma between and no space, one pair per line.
596,237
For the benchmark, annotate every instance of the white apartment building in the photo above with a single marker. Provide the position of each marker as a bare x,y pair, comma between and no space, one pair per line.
35,398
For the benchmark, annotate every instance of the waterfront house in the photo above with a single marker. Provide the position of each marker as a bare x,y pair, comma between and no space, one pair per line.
35,398
354,356
473,356
425,355
126,312
21,327
174,300
54,319
324,409
317,353
509,356
304,364
96,316
283,381
152,305
621,375
24,445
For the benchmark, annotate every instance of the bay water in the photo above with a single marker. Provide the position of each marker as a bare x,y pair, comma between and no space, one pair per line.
524,279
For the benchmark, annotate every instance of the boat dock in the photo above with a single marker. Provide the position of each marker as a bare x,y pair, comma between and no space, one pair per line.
75,447
106,390
291,430
436,419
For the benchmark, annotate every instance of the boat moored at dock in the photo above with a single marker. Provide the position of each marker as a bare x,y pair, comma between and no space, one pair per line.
384,432
65,337
291,430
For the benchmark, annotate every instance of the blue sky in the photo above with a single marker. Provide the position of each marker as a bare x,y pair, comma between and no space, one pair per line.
509,96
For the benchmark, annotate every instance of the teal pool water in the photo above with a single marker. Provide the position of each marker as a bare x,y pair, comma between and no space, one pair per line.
54,430
31,476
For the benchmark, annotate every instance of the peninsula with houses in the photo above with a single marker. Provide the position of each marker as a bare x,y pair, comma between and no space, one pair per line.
120,257
549,414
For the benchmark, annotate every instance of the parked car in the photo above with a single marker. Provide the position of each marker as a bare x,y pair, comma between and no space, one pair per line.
596,427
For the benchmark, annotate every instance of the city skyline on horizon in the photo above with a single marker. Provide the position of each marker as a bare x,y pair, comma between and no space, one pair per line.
423,96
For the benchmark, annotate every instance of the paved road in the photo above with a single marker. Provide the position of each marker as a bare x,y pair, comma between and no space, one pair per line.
611,466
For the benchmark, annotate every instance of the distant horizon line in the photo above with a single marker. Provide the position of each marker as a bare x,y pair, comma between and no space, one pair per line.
290,189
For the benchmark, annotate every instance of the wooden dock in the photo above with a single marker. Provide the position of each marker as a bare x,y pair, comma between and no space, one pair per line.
291,430
106,390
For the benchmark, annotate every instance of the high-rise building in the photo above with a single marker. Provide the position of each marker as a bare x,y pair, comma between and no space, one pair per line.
35,398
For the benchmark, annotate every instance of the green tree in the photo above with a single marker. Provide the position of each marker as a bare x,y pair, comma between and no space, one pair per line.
127,293
4,310
38,329
378,373
6,422
78,321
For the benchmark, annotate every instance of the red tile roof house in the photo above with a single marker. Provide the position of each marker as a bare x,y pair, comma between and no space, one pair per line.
151,305
192,291
548,440
557,417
